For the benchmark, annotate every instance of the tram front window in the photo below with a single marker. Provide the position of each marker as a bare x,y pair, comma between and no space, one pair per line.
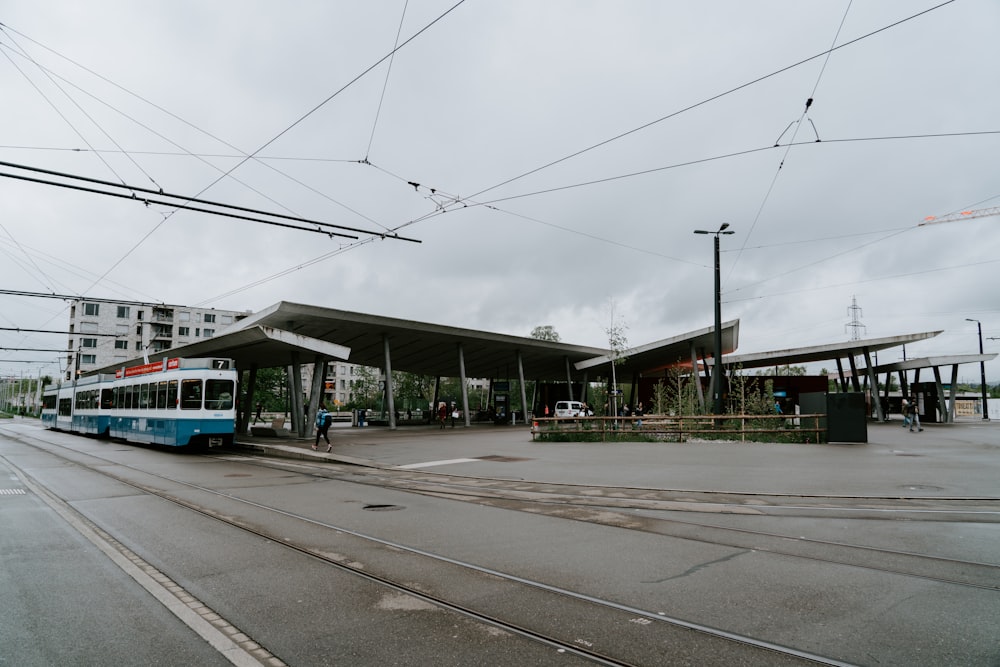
218,394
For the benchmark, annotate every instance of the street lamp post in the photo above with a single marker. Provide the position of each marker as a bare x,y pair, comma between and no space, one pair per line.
717,354
982,367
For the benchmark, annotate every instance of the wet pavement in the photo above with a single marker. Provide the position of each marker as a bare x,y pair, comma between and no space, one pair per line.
945,460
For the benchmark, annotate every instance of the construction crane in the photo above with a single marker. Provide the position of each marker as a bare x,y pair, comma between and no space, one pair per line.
961,215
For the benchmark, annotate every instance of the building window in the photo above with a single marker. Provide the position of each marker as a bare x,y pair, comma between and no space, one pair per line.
88,342
123,312
209,318
92,309
138,330
138,345
88,359
121,329
88,327
209,333
183,331
227,319
138,315
121,344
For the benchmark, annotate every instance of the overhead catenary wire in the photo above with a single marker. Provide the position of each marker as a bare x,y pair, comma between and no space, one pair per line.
788,149
202,158
385,83
287,129
710,99
187,198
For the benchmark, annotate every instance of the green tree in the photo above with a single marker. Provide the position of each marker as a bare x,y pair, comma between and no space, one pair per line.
269,389
545,332
364,387
676,393
411,390
618,344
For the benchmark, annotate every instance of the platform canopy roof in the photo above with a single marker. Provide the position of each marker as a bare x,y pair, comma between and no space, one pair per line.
827,352
432,349
254,345
926,362
652,359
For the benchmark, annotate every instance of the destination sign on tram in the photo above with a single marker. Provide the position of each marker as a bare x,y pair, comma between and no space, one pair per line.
154,367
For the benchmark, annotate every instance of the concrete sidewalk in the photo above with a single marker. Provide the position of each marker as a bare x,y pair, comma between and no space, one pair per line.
945,460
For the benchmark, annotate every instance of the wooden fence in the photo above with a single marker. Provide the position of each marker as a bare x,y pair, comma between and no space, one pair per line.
808,428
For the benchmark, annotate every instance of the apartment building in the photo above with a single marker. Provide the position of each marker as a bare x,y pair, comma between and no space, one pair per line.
105,332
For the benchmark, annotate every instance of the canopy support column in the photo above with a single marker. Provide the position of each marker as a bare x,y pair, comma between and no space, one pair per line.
873,385
569,379
244,425
524,394
315,396
465,385
298,409
390,401
696,375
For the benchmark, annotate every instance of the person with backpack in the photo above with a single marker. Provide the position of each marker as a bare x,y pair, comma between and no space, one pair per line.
323,421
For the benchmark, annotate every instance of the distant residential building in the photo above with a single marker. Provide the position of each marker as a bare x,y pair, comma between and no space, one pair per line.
104,333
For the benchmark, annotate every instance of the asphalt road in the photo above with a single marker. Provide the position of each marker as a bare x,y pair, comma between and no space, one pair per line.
821,575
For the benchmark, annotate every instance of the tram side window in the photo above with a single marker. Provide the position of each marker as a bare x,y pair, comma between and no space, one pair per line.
161,395
190,394
129,397
107,400
49,402
172,395
65,407
219,394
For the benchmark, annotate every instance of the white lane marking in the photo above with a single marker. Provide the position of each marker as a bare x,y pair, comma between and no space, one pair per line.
428,464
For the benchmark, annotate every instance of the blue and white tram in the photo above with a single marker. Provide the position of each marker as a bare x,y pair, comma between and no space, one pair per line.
173,402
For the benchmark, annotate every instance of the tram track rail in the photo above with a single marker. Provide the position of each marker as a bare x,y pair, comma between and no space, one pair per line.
634,626
612,505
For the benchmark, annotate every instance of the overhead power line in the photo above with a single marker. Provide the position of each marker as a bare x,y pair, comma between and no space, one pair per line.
185,203
55,331
710,99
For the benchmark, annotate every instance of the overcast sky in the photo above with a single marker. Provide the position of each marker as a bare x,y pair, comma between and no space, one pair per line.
563,153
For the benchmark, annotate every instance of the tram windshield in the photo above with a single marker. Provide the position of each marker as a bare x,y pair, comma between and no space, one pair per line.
218,394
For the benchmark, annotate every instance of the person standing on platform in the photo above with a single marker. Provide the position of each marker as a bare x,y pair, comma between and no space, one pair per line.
442,413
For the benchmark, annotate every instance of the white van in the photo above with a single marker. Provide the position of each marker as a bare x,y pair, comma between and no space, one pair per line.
569,409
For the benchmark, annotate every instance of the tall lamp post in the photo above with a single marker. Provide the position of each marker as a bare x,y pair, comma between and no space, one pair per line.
982,367
717,355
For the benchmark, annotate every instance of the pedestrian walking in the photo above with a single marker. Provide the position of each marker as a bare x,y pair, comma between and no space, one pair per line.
323,421
915,416
906,412
442,413
260,406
